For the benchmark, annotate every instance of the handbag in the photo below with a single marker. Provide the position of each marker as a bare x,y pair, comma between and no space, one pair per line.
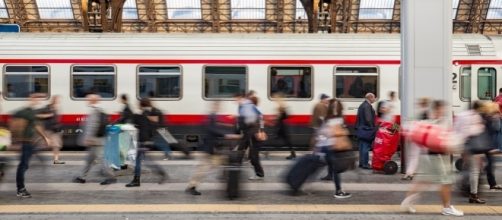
342,141
366,133
480,143
261,135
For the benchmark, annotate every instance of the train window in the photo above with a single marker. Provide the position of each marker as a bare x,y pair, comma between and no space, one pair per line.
355,82
486,83
21,81
292,82
96,79
465,84
224,81
162,82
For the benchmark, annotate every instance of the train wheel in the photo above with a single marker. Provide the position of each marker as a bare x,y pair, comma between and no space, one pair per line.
459,164
390,167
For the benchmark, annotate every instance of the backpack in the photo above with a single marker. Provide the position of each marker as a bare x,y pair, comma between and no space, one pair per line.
103,122
17,127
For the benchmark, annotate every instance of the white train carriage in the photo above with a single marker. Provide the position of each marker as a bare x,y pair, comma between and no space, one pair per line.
184,72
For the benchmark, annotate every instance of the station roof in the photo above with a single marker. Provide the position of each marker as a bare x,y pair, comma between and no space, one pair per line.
375,16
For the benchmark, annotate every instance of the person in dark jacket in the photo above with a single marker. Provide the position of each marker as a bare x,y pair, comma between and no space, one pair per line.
365,121
147,123
282,126
215,133
49,116
126,116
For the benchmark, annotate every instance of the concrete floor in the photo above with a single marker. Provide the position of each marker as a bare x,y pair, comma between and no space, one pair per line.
51,184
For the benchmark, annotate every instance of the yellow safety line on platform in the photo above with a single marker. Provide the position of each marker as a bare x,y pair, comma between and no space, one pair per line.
233,208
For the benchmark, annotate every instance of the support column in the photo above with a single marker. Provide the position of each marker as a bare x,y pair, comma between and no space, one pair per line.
426,60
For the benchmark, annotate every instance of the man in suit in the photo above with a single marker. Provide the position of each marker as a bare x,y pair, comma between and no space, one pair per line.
366,121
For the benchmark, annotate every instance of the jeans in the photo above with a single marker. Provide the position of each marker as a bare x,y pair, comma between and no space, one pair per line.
332,169
364,149
141,155
26,153
490,160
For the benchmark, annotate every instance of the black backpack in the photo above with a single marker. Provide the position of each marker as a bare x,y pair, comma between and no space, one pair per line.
103,122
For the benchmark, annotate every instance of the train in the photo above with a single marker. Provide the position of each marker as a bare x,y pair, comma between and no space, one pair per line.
184,73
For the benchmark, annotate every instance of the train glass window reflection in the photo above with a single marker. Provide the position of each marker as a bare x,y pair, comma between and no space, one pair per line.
159,82
21,81
224,82
355,82
486,83
93,79
292,82
465,84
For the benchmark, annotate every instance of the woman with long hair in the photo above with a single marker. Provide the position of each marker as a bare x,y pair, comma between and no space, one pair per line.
328,135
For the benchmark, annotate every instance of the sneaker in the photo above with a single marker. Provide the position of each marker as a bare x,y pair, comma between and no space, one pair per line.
79,180
452,211
342,195
23,193
109,181
193,191
256,178
407,204
291,157
497,187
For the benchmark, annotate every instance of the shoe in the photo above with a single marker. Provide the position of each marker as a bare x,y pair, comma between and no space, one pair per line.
109,181
473,198
254,178
342,195
134,183
56,162
452,211
407,204
193,191
23,193
497,187
79,180
291,157
327,178
365,167
163,178
407,177
123,167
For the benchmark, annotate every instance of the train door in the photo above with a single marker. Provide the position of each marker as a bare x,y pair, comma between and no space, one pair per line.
483,82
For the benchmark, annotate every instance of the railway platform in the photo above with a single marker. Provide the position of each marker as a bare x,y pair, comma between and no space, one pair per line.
374,196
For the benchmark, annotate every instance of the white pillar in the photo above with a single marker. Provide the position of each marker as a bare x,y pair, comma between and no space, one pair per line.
426,60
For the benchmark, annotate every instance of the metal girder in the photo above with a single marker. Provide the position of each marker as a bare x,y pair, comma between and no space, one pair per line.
215,12
477,16
279,12
19,13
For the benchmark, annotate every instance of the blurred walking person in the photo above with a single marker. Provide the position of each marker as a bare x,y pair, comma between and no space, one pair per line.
23,127
434,168
330,136
413,151
49,116
92,138
318,116
213,158
365,129
148,122
126,115
281,125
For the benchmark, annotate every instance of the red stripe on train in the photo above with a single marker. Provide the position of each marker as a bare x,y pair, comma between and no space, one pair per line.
194,120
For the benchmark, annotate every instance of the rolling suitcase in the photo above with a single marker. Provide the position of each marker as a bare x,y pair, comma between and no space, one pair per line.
302,169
